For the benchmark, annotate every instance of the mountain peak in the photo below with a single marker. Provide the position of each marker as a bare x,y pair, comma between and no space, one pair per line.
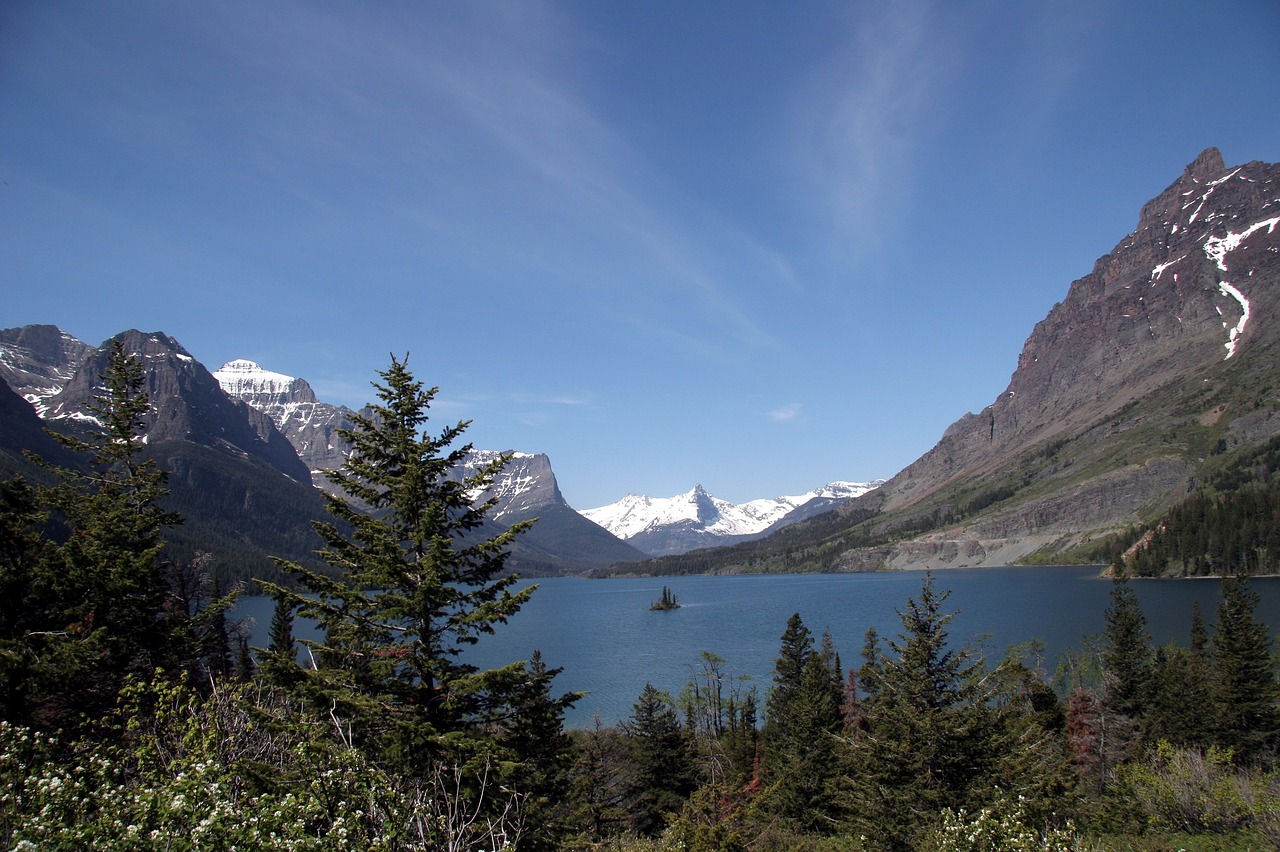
696,519
1209,163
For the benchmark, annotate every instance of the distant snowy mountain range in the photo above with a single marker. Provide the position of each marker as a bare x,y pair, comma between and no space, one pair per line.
665,525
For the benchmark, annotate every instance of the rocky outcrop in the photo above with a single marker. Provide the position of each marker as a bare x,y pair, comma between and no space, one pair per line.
36,361
290,404
1153,311
187,404
1184,302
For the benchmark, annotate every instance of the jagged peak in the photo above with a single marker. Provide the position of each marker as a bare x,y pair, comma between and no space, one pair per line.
1207,164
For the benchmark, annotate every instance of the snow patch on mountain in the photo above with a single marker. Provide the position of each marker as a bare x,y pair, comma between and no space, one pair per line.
1217,249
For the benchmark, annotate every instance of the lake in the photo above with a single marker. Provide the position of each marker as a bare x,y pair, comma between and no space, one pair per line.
609,643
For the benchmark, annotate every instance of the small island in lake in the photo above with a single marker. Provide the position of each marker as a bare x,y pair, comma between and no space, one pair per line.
667,601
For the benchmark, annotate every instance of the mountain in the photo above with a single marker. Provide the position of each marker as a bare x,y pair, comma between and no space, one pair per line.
560,542
244,494
1159,367
37,361
310,426
695,519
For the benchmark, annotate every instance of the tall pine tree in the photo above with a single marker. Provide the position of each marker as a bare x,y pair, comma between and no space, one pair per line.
931,742
418,582
1243,681
101,590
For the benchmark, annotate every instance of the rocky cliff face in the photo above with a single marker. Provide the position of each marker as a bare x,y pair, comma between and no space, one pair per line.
1160,343
36,361
187,403
310,426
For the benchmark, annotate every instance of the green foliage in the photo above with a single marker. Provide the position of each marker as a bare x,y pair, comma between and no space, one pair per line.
661,773
667,601
1242,683
182,777
934,736
93,594
802,722
1202,791
416,586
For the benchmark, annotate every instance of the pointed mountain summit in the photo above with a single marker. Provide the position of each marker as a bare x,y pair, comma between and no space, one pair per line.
186,400
37,361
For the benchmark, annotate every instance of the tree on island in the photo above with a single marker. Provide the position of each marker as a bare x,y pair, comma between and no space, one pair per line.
667,601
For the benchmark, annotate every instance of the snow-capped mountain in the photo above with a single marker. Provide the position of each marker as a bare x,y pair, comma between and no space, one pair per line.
665,525
561,542
310,425
37,361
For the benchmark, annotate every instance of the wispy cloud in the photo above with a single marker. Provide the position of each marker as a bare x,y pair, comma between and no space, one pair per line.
785,413
862,120
472,128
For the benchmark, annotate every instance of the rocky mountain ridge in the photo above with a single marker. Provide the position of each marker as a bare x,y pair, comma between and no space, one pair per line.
311,426
696,519
1159,364
217,434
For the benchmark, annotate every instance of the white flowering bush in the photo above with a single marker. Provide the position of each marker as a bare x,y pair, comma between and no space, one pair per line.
181,780
999,827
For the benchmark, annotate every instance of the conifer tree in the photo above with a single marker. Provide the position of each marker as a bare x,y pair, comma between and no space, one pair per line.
1243,682
662,775
103,588
802,722
1126,674
534,730
932,739
1125,653
23,611
418,582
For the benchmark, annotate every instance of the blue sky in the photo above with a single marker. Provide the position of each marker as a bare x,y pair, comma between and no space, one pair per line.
758,246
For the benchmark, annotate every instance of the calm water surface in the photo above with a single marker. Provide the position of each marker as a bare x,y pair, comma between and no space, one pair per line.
602,633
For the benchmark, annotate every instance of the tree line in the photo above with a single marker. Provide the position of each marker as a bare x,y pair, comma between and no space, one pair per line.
136,716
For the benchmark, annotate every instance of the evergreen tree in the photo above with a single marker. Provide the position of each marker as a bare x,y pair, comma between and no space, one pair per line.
662,775
102,589
534,730
280,657
1125,652
418,584
1126,673
21,547
801,723
933,734
1243,682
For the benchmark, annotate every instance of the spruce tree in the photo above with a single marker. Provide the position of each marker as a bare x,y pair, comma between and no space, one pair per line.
1126,676
417,583
103,587
23,611
1243,682
803,719
662,775
933,733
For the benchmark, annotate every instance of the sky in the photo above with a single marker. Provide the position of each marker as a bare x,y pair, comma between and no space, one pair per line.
757,246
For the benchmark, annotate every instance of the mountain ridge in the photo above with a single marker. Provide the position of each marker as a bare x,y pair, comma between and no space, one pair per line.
696,519
1156,365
